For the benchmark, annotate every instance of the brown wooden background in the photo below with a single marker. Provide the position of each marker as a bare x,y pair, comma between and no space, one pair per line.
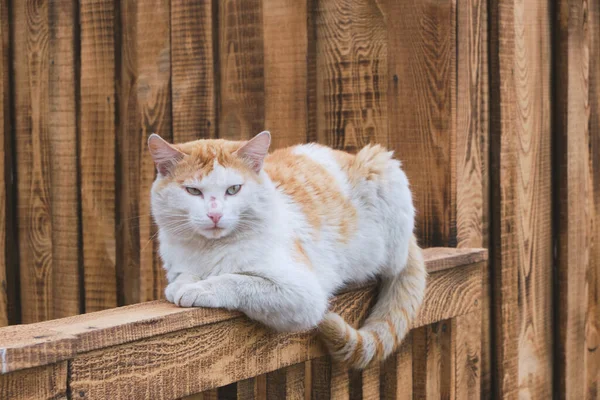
494,110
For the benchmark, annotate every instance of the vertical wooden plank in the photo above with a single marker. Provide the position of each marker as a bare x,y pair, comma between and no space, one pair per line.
421,104
592,330
47,382
62,132
320,387
252,389
276,384
145,108
370,382
5,166
294,382
422,120
285,70
30,69
351,73
472,149
573,188
434,362
466,331
97,152
241,58
355,385
521,198
340,384
193,79
397,374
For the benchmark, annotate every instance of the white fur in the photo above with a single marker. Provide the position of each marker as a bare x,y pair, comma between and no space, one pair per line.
250,266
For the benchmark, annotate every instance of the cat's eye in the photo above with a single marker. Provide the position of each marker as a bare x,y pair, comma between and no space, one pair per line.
193,191
233,189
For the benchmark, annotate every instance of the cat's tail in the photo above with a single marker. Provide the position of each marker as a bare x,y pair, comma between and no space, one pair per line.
389,321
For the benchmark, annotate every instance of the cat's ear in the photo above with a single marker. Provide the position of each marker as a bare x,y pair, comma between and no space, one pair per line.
255,150
165,155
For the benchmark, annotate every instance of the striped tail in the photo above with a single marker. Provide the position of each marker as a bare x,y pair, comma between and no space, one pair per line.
389,321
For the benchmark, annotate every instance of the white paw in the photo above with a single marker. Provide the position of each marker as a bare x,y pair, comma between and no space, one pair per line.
197,294
171,290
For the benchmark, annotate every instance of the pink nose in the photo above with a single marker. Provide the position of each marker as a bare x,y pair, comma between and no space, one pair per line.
215,217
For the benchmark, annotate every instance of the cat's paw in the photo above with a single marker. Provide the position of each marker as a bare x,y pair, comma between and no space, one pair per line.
197,294
171,290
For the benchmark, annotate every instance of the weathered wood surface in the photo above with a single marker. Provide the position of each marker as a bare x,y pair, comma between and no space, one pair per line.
45,382
214,355
520,170
6,188
32,345
97,152
577,126
192,69
144,108
32,144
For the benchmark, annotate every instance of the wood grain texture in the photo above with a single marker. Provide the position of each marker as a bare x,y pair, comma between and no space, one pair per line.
5,164
214,355
371,382
592,330
472,150
32,345
351,74
62,133
434,362
295,378
47,382
253,388
397,374
193,70
97,152
340,384
32,141
520,168
576,135
285,70
320,388
144,108
241,67
466,336
422,110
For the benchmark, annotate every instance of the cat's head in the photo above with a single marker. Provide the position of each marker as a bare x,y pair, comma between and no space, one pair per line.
208,187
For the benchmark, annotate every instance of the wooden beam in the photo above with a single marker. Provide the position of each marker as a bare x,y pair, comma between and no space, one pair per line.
208,356
451,292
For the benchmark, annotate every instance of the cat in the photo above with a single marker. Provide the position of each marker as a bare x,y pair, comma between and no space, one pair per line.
276,235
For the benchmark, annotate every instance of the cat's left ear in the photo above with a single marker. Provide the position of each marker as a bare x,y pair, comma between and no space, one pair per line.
164,154
255,150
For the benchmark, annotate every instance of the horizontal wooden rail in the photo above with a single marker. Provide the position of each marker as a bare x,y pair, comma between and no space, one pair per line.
156,347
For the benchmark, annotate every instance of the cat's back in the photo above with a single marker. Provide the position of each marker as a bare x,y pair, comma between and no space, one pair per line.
336,187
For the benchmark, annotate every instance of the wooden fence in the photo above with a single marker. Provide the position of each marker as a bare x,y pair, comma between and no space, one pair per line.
156,350
493,107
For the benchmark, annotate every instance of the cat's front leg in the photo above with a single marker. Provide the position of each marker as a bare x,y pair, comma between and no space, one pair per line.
281,304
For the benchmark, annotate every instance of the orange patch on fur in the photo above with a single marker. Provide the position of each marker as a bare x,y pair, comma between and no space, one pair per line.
357,354
368,164
300,254
393,332
314,189
378,345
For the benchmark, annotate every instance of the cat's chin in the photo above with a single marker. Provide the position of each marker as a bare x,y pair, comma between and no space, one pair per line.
214,233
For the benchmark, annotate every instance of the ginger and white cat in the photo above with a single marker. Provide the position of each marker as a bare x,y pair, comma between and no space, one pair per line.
276,235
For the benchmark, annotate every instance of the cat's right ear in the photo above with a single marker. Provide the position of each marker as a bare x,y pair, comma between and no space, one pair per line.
165,155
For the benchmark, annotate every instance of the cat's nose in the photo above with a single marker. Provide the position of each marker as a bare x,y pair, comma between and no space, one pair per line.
215,217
